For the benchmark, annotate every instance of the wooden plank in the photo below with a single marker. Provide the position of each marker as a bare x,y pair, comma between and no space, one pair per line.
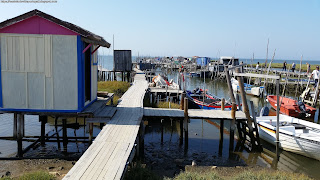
96,167
256,75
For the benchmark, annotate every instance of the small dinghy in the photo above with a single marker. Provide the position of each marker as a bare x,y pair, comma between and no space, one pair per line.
295,135
202,100
248,88
292,107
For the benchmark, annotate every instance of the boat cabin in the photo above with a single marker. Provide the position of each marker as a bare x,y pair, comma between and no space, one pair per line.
47,65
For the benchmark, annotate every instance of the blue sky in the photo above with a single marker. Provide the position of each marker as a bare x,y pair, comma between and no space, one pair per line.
194,27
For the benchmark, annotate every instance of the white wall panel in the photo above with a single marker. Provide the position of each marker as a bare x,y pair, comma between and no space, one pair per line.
36,90
14,90
64,72
3,46
49,94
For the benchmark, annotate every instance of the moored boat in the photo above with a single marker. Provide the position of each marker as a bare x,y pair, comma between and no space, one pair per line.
292,107
161,82
248,88
204,100
295,135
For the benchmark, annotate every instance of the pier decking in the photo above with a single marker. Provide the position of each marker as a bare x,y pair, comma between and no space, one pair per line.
107,157
192,113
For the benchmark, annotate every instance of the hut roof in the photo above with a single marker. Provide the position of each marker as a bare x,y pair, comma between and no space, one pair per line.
86,35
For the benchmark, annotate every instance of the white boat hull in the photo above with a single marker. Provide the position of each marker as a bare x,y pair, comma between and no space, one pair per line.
256,91
298,141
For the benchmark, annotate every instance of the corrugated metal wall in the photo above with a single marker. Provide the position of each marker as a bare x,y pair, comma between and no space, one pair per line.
39,71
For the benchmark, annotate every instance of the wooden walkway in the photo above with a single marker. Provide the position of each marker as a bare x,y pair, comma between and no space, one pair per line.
192,113
107,157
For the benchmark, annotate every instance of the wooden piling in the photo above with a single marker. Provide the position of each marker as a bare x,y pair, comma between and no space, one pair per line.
233,110
43,120
56,128
185,122
221,137
15,124
90,132
238,102
277,128
222,104
182,100
19,135
64,134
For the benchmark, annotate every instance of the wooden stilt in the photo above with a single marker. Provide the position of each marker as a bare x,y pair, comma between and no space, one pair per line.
222,104
15,121
90,132
128,76
19,135
221,137
181,132
182,101
56,127
162,131
23,125
233,110
64,134
43,120
238,102
277,128
185,123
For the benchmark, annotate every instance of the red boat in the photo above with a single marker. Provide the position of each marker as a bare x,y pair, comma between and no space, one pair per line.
291,107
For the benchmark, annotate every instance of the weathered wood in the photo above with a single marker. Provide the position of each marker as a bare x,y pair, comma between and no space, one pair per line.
108,155
182,101
90,132
221,137
43,120
19,135
222,104
277,128
15,121
64,134
185,122
256,75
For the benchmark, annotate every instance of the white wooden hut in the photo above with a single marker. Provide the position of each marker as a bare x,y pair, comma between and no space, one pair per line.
47,65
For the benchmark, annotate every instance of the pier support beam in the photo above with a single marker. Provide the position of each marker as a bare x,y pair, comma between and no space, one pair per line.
19,134
183,95
64,134
43,120
233,110
15,124
90,132
185,123
221,137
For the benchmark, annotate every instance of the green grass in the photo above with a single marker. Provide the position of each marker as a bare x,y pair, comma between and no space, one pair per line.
196,176
33,176
279,65
164,104
266,175
116,87
245,175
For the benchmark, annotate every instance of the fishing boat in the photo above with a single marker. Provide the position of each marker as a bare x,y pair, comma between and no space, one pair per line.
248,88
194,74
161,82
292,107
295,135
198,98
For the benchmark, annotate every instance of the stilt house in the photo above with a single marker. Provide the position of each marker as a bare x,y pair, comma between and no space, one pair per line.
47,65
